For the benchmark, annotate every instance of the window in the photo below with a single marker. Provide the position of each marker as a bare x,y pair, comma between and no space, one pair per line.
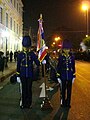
17,6
17,28
14,26
6,20
14,3
0,15
11,23
11,1
1,43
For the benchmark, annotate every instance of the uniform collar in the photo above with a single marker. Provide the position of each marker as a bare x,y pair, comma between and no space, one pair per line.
65,55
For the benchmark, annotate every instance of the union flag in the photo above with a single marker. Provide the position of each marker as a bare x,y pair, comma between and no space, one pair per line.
41,47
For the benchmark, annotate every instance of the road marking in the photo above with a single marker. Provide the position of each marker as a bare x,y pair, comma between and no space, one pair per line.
82,77
42,93
50,89
61,116
1,87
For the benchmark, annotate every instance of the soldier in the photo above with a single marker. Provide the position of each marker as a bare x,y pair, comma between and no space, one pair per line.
25,72
11,56
66,70
2,61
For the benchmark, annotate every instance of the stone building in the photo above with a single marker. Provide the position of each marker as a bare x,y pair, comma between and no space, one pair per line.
11,25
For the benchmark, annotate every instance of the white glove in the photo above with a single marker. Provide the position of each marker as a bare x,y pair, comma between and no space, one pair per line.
44,62
59,80
73,80
18,79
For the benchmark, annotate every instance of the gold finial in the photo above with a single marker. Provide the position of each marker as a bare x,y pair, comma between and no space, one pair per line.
40,19
40,16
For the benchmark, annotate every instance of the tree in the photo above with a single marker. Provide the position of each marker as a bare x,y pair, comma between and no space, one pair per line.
86,41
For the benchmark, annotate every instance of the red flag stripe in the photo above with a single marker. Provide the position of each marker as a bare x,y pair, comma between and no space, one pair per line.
42,55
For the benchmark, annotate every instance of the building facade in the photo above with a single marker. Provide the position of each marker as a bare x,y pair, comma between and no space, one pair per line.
11,25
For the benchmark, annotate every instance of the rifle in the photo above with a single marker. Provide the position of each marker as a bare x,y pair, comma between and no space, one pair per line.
53,65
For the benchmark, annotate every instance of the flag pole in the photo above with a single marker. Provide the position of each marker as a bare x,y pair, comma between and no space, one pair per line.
42,53
46,104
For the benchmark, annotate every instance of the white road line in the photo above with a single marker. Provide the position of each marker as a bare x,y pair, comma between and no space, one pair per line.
1,87
82,77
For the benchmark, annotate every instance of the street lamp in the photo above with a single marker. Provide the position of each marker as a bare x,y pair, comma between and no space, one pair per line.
85,7
57,39
53,43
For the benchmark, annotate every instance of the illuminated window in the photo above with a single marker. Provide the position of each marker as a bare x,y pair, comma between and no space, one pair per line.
14,26
6,20
17,28
0,15
1,43
17,6
11,1
11,23
14,3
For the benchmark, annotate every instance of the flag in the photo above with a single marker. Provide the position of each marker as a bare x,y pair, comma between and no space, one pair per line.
41,47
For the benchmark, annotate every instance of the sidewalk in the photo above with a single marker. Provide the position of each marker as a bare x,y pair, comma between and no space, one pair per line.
8,71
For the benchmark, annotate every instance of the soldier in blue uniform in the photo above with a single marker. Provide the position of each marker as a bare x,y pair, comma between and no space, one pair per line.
66,70
25,71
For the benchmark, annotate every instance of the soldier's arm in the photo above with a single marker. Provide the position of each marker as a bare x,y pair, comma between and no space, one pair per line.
73,67
18,65
35,59
59,65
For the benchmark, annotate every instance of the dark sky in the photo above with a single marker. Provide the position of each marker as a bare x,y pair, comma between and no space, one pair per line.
55,13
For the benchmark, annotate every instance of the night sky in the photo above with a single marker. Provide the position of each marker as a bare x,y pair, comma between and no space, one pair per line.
56,13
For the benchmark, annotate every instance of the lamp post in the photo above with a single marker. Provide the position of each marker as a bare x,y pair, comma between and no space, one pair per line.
85,7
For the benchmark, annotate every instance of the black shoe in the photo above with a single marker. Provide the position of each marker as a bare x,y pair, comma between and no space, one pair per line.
29,107
22,107
62,105
69,106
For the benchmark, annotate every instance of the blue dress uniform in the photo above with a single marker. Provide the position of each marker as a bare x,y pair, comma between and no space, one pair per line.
25,72
66,69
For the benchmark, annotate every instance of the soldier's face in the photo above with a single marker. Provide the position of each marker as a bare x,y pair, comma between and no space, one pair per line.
66,50
25,49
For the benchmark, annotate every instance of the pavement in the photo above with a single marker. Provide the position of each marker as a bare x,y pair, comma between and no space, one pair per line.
8,71
80,102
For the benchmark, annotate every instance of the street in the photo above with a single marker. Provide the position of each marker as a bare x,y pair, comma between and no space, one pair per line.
80,102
